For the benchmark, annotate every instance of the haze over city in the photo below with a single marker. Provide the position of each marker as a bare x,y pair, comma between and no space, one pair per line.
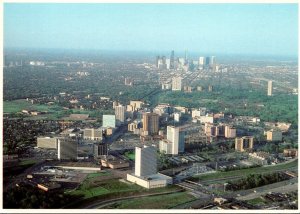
260,29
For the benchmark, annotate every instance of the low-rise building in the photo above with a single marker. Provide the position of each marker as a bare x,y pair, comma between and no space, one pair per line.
260,158
47,142
244,143
290,152
274,135
113,162
93,134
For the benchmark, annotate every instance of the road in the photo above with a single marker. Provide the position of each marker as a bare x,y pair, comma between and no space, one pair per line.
282,187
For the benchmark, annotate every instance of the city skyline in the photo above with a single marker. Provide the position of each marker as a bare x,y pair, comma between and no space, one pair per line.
207,28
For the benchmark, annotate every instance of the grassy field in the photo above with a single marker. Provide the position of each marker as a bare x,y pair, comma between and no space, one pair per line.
256,201
91,189
97,174
154,202
27,162
246,172
130,155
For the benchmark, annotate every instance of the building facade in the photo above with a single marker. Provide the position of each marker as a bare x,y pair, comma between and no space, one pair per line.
145,161
109,121
176,84
150,123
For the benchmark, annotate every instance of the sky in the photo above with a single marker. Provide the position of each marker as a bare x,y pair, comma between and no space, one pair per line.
260,29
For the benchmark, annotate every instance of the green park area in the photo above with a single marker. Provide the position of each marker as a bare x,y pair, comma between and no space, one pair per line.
257,201
154,202
18,105
130,155
245,172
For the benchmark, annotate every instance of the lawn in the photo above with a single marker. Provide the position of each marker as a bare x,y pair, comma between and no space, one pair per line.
91,189
27,162
130,155
246,172
98,174
18,105
256,201
154,202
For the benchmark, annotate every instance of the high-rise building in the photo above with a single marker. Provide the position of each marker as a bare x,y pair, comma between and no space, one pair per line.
157,61
168,63
100,149
201,62
150,123
176,136
207,61
243,143
67,149
109,121
186,57
212,61
172,60
145,161
120,114
92,134
176,84
270,88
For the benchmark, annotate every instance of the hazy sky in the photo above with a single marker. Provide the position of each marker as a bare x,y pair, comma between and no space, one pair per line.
269,29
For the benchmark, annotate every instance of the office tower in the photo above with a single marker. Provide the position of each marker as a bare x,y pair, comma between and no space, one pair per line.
270,89
92,134
157,61
100,149
176,136
181,61
168,63
120,114
201,62
176,84
145,161
243,143
150,123
212,61
172,60
207,61
186,57
67,149
109,121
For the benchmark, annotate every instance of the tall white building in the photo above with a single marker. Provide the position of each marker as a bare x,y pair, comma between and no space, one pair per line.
67,149
120,114
176,83
270,88
176,138
145,161
201,62
109,121
145,173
